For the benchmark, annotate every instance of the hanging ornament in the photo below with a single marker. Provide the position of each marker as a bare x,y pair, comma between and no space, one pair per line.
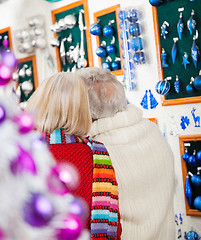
191,23
198,157
132,15
108,31
197,82
2,114
115,64
122,15
110,49
28,72
197,203
186,155
174,50
163,57
195,50
139,58
164,31
156,3
100,51
196,180
177,84
137,43
106,65
62,51
192,159
180,25
188,190
189,87
5,41
27,87
185,60
192,235
95,29
163,87
135,29
153,102
144,102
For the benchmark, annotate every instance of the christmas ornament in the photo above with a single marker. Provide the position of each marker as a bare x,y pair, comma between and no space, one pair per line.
191,23
189,87
27,87
192,159
177,84
100,51
62,51
164,31
156,3
163,87
137,43
153,102
163,58
95,29
197,203
115,64
79,208
8,59
139,58
184,122
108,31
28,72
122,15
124,35
195,118
198,157
135,29
188,191
38,210
186,155
5,41
123,25
192,235
197,82
174,50
2,114
110,49
24,122
180,25
106,65
132,15
194,52
144,102
185,60
196,180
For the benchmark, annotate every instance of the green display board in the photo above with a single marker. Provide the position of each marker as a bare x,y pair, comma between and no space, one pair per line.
103,21
169,12
76,35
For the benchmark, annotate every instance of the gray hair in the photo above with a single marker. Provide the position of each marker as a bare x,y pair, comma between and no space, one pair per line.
106,93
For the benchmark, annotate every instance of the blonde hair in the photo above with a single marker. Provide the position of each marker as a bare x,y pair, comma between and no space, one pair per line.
61,102
106,94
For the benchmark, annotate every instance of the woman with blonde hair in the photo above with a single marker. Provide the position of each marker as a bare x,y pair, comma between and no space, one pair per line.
60,108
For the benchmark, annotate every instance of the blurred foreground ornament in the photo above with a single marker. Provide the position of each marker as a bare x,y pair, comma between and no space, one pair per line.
2,114
188,190
163,87
24,122
191,23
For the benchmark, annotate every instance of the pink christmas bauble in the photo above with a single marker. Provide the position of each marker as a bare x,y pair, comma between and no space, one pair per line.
25,122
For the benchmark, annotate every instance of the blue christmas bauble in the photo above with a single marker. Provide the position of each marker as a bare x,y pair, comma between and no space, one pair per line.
137,43
197,203
198,157
123,26
124,35
163,87
139,58
100,51
185,156
156,3
197,82
132,15
135,29
196,180
122,15
105,65
115,65
192,235
128,46
127,57
108,31
95,29
130,76
192,161
110,49
130,65
189,88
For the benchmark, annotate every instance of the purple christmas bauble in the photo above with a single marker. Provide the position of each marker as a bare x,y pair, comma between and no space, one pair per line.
2,113
115,66
197,82
137,43
185,156
156,3
192,235
196,180
9,60
79,208
95,29
163,87
122,15
132,15
5,75
135,29
38,210
105,65
198,157
189,88
110,49
139,58
70,230
108,31
100,51
192,161
25,122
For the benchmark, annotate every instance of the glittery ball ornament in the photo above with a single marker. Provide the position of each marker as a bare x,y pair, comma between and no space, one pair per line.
196,180
197,203
163,87
95,29
108,31
185,156
192,235
197,82
132,15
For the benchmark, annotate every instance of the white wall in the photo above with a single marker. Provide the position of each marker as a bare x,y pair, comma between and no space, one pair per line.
14,14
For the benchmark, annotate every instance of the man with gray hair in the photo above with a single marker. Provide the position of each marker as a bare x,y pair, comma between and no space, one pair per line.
141,156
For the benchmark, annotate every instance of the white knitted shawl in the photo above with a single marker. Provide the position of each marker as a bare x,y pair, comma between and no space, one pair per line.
143,164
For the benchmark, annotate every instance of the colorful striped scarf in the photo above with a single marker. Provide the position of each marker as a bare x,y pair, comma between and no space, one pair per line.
104,209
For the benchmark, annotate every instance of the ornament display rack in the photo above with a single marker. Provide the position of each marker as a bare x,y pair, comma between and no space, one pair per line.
73,9
6,32
31,63
195,144
169,12
103,17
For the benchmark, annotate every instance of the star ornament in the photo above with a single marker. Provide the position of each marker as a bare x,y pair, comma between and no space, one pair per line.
185,60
